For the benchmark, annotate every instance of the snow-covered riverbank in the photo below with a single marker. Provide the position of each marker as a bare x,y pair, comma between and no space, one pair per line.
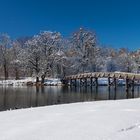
102,120
22,82
49,82
30,81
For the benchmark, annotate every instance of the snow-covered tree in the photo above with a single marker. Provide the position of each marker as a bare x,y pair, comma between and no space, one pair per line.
41,50
84,46
50,44
124,61
16,58
49,54
33,55
5,43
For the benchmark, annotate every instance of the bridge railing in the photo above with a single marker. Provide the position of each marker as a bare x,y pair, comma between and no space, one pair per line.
119,75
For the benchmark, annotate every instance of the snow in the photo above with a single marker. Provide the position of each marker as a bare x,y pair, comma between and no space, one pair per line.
103,81
101,120
23,82
52,82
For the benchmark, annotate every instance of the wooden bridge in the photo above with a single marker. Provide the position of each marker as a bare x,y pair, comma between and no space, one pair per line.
91,79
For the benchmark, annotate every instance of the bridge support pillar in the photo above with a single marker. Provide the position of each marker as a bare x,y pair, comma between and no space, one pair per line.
115,83
132,84
91,81
81,82
71,82
85,82
75,82
96,82
109,82
126,84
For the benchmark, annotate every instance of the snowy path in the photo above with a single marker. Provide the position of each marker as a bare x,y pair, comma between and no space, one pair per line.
102,120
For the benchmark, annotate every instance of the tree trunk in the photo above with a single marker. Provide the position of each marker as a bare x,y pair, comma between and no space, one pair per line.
37,79
16,74
42,79
5,72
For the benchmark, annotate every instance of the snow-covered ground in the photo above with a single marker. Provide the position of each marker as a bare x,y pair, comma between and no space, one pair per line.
22,82
52,82
101,120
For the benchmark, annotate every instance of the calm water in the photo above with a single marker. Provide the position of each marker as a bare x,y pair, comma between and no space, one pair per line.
25,97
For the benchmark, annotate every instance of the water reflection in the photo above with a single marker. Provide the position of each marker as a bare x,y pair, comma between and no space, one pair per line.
24,97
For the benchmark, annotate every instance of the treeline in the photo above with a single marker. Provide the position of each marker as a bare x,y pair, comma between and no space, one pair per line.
48,54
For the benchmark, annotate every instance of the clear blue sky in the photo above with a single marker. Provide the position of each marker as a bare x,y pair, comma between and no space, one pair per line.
116,22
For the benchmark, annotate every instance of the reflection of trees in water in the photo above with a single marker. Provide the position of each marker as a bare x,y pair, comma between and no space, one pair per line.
115,94
5,97
19,97
37,92
104,93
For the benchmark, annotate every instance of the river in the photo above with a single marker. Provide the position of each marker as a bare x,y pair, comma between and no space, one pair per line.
26,97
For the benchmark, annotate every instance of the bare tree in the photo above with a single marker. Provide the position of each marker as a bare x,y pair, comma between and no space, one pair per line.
4,53
16,58
33,56
84,43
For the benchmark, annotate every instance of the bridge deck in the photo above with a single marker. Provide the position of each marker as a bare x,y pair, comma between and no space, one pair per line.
118,75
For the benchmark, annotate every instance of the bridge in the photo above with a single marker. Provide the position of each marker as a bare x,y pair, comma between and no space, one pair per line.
91,79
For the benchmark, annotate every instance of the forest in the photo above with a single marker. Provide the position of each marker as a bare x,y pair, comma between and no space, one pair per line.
49,54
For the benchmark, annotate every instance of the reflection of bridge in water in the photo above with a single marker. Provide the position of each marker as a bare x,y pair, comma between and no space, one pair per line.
91,79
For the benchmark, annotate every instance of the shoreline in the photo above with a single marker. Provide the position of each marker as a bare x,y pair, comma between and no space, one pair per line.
113,120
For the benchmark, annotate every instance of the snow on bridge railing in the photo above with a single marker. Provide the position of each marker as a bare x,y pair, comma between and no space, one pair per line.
121,75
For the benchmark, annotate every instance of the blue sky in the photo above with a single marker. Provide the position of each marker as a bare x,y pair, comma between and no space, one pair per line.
116,22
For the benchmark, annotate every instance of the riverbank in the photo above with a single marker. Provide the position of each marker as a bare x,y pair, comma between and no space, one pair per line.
13,82
30,81
101,120
49,82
